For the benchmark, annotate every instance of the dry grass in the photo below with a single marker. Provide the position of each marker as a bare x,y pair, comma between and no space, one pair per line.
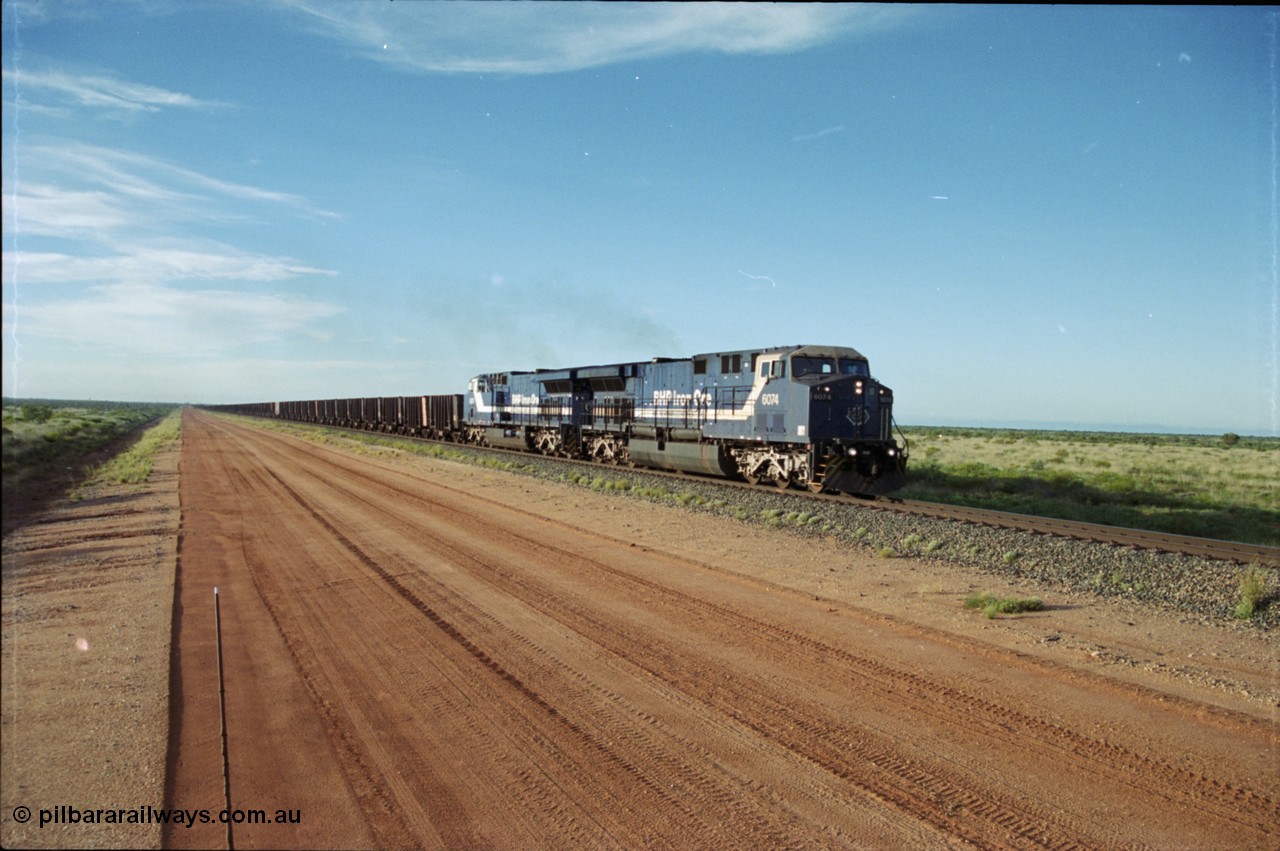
1194,485
992,605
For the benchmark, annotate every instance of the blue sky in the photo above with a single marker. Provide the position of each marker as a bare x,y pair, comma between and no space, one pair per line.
1027,215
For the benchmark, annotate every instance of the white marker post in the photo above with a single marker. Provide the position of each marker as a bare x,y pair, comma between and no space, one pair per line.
222,716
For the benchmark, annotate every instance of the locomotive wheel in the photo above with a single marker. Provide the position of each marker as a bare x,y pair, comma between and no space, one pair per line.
782,483
751,480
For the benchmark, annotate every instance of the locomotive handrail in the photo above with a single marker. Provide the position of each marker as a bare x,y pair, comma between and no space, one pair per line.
906,444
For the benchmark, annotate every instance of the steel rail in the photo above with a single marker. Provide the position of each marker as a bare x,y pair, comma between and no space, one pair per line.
1212,548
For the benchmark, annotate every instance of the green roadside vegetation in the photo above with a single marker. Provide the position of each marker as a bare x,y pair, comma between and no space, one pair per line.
133,466
51,447
1222,486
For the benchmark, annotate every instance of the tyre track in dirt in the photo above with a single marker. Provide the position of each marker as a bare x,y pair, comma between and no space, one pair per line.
756,824
481,656
348,672
1212,796
614,696
280,752
834,750
979,716
641,783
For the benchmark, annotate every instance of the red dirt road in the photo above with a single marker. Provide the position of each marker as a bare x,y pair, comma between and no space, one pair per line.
410,663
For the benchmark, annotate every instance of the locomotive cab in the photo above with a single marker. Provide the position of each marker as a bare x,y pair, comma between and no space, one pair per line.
810,368
850,422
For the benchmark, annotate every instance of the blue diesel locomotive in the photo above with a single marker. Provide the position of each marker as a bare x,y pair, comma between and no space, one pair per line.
794,416
803,416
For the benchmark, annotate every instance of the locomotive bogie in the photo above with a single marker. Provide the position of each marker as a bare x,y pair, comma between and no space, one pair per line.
773,463
607,448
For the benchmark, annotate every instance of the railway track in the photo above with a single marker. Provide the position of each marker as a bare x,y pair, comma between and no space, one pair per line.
1209,548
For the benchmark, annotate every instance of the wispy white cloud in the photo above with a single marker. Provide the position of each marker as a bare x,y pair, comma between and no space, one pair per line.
129,181
98,92
111,251
151,264
148,319
41,209
542,38
771,281
108,202
809,137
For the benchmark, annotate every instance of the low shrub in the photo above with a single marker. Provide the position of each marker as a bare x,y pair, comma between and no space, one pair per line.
992,605
1253,585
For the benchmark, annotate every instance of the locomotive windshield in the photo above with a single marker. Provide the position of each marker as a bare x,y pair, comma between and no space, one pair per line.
854,367
802,366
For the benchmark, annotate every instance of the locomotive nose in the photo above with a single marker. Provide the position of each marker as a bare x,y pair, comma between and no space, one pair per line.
843,386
